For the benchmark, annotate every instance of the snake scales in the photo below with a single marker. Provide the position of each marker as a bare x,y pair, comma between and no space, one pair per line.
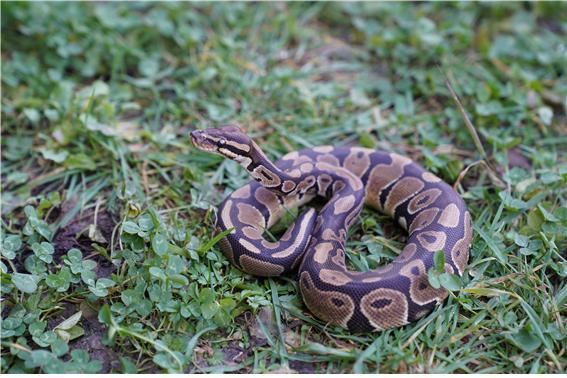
434,215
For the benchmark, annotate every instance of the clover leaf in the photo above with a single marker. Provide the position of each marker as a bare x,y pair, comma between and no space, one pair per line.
61,280
44,251
11,244
100,289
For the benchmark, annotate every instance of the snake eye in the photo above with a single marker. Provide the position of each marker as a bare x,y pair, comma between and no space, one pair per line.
222,141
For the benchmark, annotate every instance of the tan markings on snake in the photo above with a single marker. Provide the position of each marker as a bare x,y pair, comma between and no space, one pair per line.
306,167
288,186
372,279
430,177
450,216
338,185
460,251
377,274
344,204
267,177
339,258
305,185
288,233
249,246
299,239
270,200
240,146
423,219
423,200
449,268
432,240
385,308
382,176
357,161
242,193
245,161
331,306
334,277
407,253
421,292
260,268
323,181
400,192
302,159
323,149
252,233
269,244
329,234
291,155
403,223
322,252
296,173
353,180
225,216
329,159
351,218
250,215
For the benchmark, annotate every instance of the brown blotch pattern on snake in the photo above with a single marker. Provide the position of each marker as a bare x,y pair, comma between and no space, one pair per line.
249,246
423,219
450,216
358,161
260,268
430,177
322,252
407,253
382,176
242,193
344,204
423,200
401,192
331,306
421,292
385,308
250,215
460,251
334,277
432,240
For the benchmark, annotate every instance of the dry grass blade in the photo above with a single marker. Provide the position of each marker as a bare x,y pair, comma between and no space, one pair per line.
468,123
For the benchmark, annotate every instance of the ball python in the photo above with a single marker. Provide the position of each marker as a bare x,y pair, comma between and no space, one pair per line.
434,215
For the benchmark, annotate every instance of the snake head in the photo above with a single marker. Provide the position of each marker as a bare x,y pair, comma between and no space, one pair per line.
229,141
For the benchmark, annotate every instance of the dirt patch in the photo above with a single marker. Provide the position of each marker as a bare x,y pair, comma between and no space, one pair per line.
76,235
302,367
91,341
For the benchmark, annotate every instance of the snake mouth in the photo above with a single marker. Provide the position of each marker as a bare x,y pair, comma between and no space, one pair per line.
202,142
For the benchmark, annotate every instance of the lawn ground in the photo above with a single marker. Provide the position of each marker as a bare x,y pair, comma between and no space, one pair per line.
108,257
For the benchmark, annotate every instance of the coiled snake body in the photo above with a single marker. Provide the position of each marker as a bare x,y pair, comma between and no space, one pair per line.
434,215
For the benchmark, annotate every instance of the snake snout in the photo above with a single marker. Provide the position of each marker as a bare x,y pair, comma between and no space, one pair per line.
201,141
196,136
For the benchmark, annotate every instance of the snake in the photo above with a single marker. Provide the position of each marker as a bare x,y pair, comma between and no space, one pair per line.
347,178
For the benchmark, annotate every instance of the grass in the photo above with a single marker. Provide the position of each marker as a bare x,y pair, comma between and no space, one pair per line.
108,211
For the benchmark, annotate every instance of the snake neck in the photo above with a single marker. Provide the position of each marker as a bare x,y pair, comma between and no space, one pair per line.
261,168
304,180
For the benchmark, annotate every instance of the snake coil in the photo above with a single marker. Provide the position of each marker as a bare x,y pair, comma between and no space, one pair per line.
434,215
